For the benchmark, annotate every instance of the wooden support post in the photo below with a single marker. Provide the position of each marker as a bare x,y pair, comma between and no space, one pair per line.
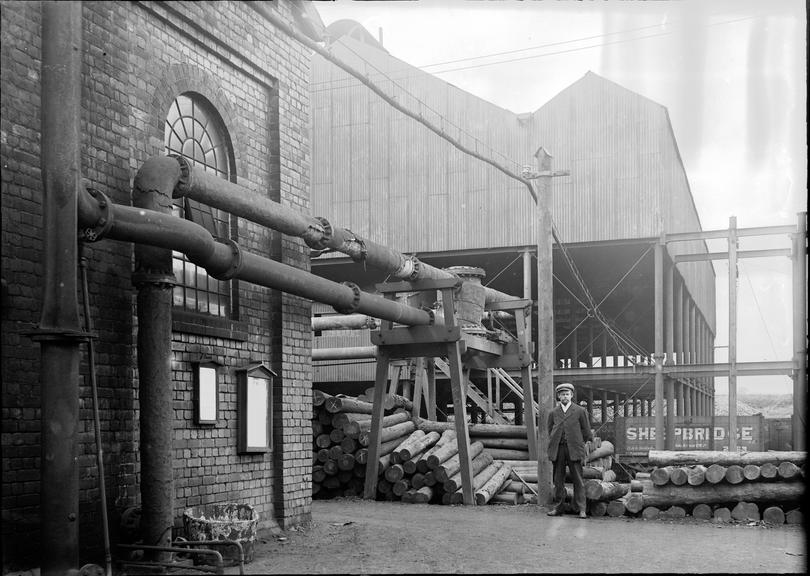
431,387
522,323
732,334
419,386
658,355
457,388
616,404
574,343
460,421
604,347
800,333
603,406
489,392
527,274
680,398
370,488
545,323
393,386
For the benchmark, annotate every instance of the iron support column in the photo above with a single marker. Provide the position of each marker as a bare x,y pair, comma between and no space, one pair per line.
153,277
659,344
59,331
669,348
800,333
732,334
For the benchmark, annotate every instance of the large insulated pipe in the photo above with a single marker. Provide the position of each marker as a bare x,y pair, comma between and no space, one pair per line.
225,259
344,353
317,232
344,322
59,332
154,279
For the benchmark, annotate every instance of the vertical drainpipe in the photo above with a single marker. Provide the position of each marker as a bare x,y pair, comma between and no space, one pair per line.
154,279
59,332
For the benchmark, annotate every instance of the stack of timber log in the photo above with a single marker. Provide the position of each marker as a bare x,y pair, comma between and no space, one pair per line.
719,486
416,465
425,468
340,435
502,441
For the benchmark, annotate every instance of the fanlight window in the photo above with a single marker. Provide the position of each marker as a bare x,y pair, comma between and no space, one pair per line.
195,131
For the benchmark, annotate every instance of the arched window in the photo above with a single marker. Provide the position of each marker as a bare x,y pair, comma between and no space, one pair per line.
195,131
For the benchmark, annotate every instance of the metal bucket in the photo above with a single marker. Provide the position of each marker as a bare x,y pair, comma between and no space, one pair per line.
229,521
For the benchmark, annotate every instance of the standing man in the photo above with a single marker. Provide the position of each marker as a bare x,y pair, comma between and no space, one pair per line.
568,430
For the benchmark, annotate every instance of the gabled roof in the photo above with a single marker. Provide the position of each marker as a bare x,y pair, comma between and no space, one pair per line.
352,29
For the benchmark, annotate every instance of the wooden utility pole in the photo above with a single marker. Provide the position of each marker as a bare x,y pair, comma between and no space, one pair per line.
545,323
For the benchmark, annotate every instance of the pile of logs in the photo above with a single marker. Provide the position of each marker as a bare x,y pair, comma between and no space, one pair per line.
426,469
416,465
502,441
712,485
340,435
597,471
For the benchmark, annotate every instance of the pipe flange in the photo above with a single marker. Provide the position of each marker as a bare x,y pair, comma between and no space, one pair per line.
432,313
183,185
236,261
160,279
355,301
417,265
104,222
355,247
319,239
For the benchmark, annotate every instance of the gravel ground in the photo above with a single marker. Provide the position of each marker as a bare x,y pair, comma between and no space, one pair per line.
351,536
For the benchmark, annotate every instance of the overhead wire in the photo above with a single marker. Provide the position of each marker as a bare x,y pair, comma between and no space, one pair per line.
444,121
408,71
622,342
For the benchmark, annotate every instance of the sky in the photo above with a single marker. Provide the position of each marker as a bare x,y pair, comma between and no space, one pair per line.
731,73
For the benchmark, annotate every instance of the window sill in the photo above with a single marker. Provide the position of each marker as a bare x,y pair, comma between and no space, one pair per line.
206,325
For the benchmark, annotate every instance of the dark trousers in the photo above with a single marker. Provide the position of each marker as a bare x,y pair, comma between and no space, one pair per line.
575,466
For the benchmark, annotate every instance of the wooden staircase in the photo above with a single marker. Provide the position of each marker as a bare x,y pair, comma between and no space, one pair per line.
474,394
503,376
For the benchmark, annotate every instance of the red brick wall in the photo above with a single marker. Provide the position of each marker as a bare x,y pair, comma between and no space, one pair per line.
138,56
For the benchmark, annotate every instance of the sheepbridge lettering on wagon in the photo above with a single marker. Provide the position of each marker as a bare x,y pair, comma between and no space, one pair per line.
636,436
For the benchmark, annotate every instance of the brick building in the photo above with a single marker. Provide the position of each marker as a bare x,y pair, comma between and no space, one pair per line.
219,84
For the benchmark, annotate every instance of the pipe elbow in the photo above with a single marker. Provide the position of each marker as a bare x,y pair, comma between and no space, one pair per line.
155,183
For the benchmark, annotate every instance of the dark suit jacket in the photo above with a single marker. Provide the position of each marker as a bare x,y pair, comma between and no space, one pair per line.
577,431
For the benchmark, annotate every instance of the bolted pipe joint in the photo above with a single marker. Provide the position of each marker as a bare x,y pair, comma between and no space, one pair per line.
354,304
99,216
318,237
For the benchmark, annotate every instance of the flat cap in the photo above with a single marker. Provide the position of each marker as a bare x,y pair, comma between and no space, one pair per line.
565,386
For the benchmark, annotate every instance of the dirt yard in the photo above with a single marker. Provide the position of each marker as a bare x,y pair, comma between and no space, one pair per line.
359,536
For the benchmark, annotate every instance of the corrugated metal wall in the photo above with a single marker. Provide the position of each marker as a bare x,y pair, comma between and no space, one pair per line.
627,179
389,178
